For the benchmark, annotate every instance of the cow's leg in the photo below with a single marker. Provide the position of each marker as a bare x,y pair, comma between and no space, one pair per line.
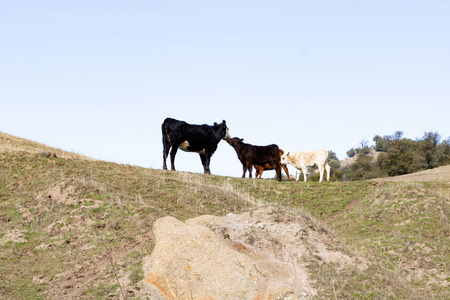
208,160
327,167
203,159
321,168
165,153
298,174
250,169
173,152
166,148
205,162
305,172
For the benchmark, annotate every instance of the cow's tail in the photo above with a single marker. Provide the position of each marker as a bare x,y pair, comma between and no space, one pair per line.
166,142
165,135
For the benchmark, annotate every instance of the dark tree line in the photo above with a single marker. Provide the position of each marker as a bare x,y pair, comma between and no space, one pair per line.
397,156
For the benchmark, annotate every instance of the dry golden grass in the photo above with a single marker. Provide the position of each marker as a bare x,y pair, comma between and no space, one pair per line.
12,144
437,174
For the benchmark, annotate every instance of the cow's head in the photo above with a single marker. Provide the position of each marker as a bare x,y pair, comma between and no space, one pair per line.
223,130
284,159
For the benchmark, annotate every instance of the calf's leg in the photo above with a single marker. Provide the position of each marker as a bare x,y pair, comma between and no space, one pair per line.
278,171
321,168
258,171
286,170
298,174
244,169
305,172
327,167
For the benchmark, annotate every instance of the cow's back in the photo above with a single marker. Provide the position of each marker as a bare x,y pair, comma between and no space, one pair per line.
171,125
198,133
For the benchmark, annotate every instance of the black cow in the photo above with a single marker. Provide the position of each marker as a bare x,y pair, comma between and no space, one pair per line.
202,139
256,155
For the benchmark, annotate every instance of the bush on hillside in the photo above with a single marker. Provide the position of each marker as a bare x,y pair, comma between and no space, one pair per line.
351,152
363,168
400,156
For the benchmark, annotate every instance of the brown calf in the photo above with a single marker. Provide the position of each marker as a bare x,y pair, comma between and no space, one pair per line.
260,169
250,155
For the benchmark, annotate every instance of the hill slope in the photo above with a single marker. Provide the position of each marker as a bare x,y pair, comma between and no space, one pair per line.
13,144
437,174
75,227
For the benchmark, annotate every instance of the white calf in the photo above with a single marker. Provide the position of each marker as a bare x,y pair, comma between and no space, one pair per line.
303,159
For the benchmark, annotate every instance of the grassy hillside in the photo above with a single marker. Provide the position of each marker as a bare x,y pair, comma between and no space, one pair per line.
75,227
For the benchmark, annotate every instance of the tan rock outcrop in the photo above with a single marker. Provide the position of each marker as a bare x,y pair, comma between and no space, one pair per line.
262,254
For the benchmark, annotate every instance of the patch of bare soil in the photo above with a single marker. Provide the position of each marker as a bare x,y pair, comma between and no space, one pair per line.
437,174
109,266
14,235
98,269
59,196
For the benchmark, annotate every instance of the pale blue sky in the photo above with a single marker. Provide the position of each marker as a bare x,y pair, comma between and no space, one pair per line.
99,77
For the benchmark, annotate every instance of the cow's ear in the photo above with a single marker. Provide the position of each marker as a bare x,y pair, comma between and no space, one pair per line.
241,140
215,124
287,154
224,122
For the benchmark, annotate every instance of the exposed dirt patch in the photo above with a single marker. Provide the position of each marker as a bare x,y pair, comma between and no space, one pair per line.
97,270
80,235
56,197
14,236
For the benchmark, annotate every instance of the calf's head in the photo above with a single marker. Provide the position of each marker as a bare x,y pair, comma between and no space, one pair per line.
234,141
284,159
